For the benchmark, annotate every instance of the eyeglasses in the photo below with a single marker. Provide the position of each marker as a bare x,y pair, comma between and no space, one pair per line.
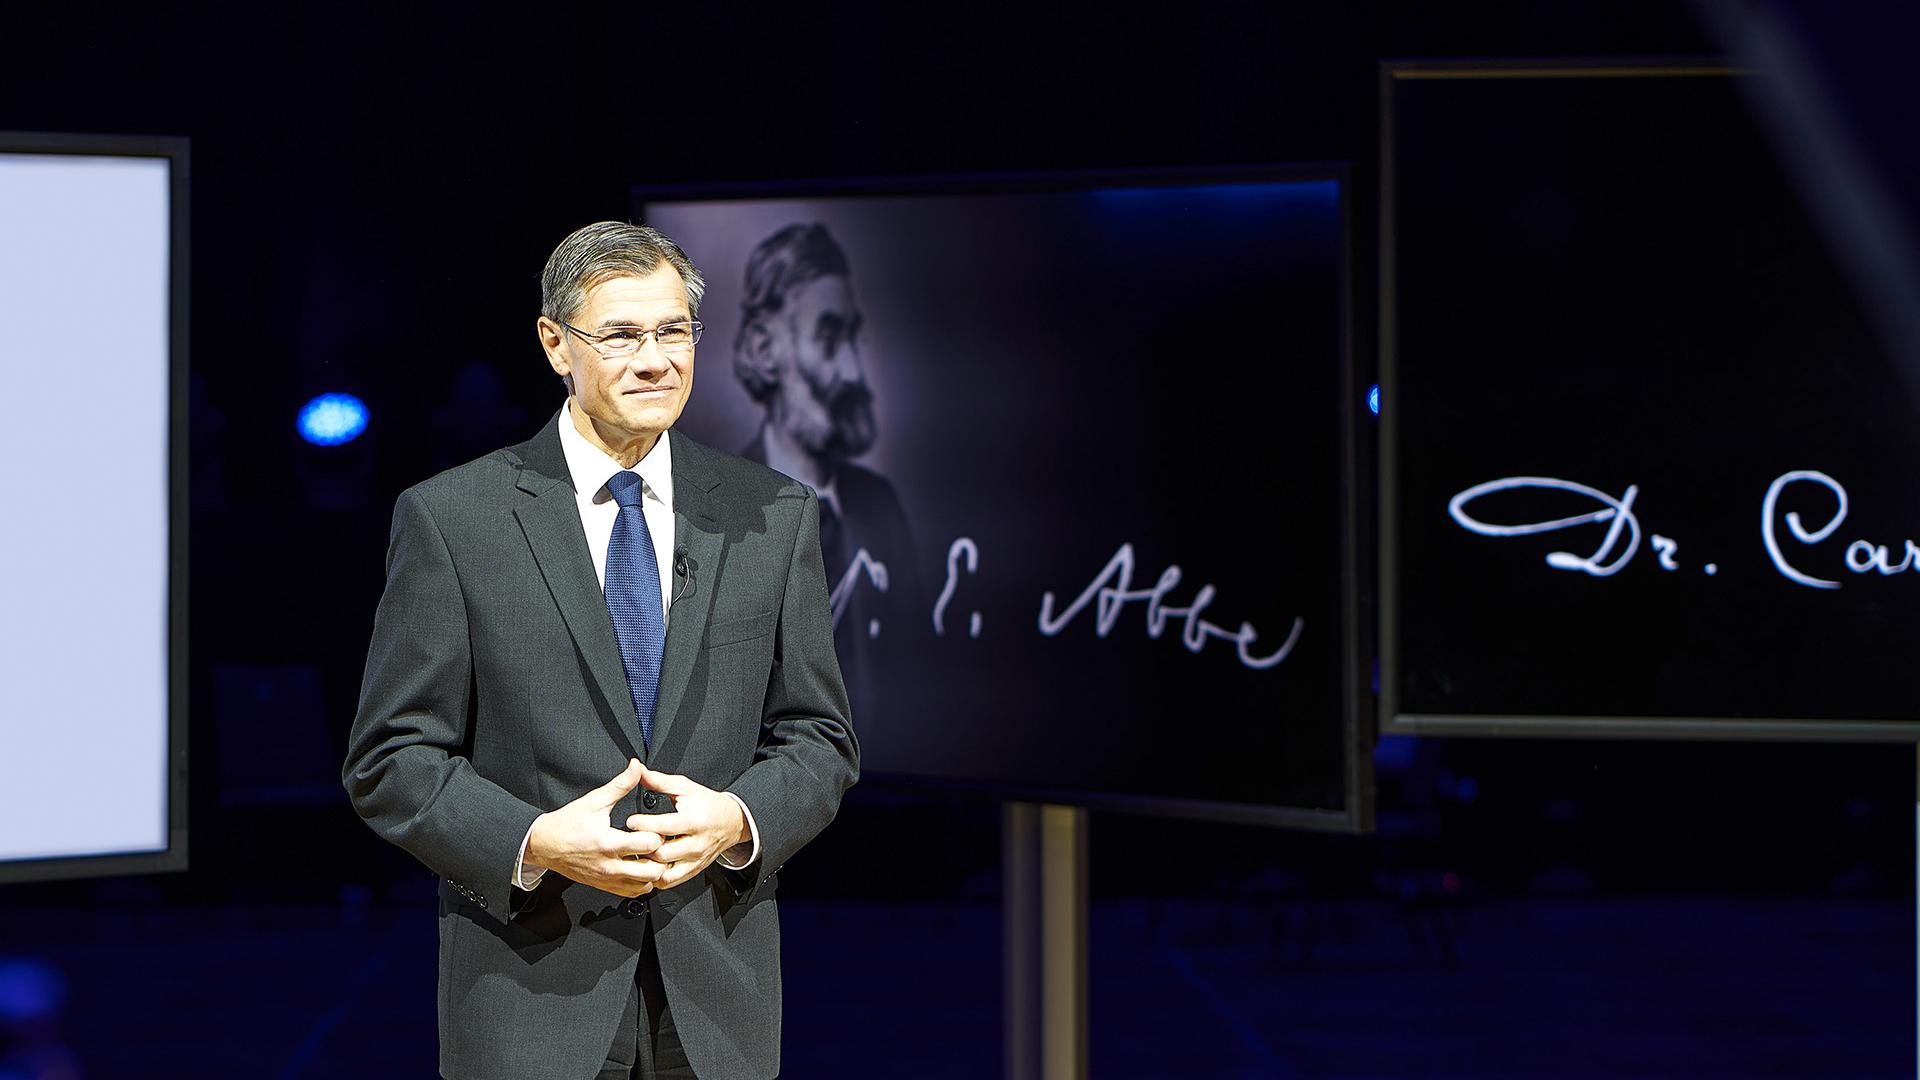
620,342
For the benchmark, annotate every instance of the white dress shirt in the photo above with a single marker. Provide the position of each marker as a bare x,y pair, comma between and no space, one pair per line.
590,468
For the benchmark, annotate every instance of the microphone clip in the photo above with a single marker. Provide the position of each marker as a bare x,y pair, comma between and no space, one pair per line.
683,568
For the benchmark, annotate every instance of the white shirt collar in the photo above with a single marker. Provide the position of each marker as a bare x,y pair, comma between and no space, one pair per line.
591,468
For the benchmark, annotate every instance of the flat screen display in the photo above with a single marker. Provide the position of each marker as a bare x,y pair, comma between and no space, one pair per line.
1082,448
1648,465
92,762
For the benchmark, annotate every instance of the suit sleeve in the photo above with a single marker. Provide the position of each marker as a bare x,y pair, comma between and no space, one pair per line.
406,767
807,757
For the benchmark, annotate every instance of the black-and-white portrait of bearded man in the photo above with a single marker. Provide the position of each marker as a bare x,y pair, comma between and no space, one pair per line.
800,355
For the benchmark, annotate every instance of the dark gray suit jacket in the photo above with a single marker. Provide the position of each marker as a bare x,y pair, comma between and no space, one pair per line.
494,692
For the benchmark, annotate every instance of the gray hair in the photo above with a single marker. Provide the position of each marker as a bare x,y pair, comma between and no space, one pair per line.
606,250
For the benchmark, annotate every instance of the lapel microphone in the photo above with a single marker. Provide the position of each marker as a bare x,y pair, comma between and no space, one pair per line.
683,569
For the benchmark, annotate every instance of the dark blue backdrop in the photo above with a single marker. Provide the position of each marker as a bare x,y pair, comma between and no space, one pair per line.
375,188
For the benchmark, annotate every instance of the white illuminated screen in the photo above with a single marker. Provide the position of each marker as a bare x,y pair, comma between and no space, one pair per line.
83,553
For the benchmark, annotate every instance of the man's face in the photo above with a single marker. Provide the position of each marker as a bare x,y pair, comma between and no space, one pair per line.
823,401
638,396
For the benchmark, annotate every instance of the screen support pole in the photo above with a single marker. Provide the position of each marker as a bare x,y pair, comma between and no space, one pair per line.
1044,909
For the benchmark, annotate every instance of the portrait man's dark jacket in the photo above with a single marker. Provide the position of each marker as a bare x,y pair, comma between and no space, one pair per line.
494,692
875,665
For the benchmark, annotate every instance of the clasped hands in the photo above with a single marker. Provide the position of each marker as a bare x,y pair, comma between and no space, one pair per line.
654,851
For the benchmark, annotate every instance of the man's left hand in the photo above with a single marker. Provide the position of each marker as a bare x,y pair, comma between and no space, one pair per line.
703,825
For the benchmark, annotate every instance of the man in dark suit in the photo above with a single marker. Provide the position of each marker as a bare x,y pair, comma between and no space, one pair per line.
800,355
607,599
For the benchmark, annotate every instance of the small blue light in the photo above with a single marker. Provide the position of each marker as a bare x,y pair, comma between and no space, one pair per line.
1373,399
332,419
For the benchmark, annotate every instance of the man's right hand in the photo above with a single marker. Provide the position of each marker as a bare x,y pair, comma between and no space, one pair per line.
579,842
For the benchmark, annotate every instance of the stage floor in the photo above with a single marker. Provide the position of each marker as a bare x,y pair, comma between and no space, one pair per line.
1262,987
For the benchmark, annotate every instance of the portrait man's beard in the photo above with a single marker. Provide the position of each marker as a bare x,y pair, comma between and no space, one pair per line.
853,428
841,427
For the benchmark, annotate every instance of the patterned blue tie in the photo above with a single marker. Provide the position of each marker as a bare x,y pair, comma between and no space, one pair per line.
633,599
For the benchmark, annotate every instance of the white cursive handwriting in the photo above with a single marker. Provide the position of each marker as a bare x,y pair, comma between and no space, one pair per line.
961,550
1861,557
863,565
1617,511
1772,541
1113,597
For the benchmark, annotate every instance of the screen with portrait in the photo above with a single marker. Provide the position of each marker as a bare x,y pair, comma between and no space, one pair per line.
1081,450
1648,462
92,774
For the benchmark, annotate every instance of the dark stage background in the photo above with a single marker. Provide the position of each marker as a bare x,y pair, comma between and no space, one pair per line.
375,189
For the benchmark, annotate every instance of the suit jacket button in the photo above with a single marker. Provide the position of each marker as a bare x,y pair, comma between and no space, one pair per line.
635,907
650,800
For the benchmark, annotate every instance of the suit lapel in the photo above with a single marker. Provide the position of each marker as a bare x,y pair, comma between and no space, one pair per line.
697,530
551,522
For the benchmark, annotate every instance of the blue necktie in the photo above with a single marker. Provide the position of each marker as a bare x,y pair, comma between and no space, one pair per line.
633,599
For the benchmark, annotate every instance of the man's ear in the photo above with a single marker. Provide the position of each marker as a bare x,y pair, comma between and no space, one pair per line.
553,340
756,352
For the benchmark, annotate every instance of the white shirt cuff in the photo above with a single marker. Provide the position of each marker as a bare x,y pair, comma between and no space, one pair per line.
747,852
522,877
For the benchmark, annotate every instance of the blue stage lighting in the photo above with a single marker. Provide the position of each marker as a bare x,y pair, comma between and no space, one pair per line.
332,419
1373,399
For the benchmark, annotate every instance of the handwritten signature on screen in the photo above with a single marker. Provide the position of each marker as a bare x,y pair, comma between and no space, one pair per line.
1109,594
1623,535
